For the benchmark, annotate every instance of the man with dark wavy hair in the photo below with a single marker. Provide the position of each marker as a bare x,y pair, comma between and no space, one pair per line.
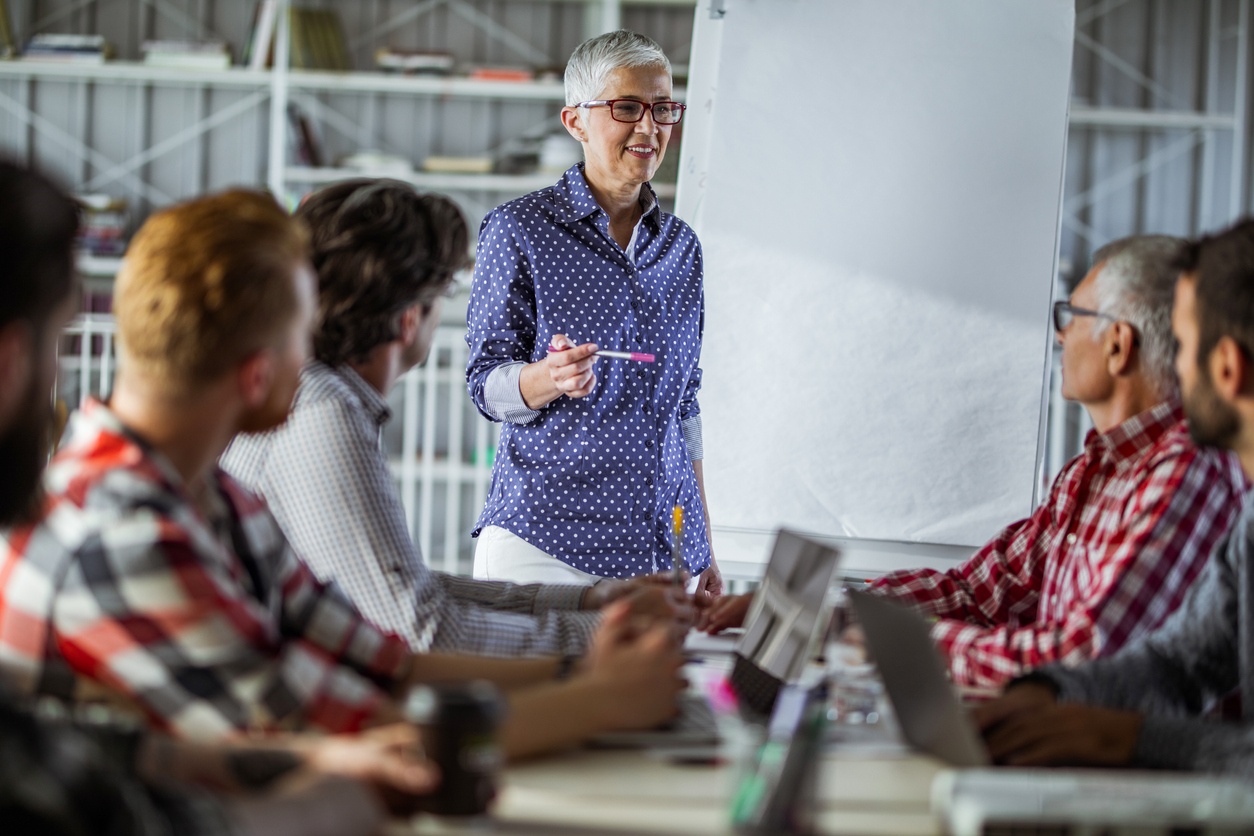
385,256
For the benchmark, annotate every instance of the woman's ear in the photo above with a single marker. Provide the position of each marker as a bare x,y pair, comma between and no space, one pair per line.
572,120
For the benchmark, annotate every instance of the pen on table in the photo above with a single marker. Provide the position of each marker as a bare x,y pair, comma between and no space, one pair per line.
677,545
614,355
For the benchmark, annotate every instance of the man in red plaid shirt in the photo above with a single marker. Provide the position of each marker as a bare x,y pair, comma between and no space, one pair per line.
152,576
1128,524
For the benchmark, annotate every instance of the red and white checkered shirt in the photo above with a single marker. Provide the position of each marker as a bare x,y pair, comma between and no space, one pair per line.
1127,527
205,619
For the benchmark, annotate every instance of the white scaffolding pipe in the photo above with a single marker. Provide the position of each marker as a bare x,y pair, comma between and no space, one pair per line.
1236,196
1206,188
453,499
278,101
426,502
409,451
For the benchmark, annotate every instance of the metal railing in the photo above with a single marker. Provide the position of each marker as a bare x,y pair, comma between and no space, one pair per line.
440,449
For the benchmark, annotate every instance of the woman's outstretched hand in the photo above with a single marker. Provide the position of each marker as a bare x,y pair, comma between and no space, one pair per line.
568,371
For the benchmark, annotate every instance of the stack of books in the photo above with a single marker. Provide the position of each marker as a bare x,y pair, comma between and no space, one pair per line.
196,55
493,73
414,62
74,49
103,231
458,165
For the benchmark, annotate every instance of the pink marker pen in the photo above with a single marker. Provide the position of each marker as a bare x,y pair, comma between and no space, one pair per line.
615,355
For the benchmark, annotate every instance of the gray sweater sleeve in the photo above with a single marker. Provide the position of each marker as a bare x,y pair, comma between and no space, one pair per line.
1175,674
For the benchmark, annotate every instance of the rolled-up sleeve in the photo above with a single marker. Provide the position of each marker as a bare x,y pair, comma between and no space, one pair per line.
502,395
501,320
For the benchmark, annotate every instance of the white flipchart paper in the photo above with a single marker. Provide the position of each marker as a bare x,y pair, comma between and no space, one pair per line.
879,223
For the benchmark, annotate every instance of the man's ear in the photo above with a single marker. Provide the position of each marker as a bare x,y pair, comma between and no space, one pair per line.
255,377
16,367
1120,344
572,120
411,323
1230,370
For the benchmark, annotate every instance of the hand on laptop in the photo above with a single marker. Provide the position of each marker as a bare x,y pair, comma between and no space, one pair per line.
607,591
1020,698
726,612
639,670
1027,727
650,597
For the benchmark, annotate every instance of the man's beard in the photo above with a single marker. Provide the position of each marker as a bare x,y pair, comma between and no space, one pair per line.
1212,422
23,455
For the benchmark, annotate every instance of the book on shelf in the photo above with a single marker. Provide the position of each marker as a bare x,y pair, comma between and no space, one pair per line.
200,55
493,73
317,40
259,53
378,164
458,165
315,37
102,230
414,62
8,46
305,145
75,49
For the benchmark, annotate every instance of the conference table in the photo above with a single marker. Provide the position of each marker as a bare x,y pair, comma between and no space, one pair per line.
868,784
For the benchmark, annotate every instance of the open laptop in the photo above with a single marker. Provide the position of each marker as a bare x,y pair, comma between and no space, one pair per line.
930,715
782,630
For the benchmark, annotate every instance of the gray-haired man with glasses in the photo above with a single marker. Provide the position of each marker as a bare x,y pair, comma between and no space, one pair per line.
1128,524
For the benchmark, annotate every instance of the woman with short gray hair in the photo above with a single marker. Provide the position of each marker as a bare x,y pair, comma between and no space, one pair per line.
597,449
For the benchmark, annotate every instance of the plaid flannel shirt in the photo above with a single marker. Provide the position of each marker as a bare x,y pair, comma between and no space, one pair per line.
202,616
1126,529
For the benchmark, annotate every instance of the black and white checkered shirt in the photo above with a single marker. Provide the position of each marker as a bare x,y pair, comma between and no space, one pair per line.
328,484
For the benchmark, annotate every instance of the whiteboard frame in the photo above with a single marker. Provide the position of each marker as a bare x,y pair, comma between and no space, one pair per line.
863,555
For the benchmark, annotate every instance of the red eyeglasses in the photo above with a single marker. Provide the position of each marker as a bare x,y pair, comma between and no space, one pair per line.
632,111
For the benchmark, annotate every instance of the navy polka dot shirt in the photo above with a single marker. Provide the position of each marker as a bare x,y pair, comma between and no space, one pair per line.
592,481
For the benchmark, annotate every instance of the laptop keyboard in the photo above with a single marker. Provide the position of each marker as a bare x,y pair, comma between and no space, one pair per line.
695,717
755,688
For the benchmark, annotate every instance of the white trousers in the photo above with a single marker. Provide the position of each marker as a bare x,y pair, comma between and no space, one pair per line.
501,555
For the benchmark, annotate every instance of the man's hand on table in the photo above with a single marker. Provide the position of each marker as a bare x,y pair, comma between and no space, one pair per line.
1028,727
388,758
724,613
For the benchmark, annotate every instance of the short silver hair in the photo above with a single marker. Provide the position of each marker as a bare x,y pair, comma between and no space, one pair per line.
1137,284
593,60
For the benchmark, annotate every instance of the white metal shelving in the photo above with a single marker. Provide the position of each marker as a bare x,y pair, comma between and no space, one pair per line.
258,107
438,181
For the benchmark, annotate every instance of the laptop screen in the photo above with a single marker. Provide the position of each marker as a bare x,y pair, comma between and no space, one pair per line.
788,618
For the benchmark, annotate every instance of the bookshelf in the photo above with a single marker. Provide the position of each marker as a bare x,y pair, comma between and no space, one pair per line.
154,135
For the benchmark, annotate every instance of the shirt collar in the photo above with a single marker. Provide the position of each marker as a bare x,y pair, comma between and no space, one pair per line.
371,400
574,200
1135,436
95,420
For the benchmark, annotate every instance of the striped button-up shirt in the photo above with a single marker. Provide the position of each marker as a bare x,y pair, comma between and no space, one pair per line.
328,484
199,613
591,481
1126,529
